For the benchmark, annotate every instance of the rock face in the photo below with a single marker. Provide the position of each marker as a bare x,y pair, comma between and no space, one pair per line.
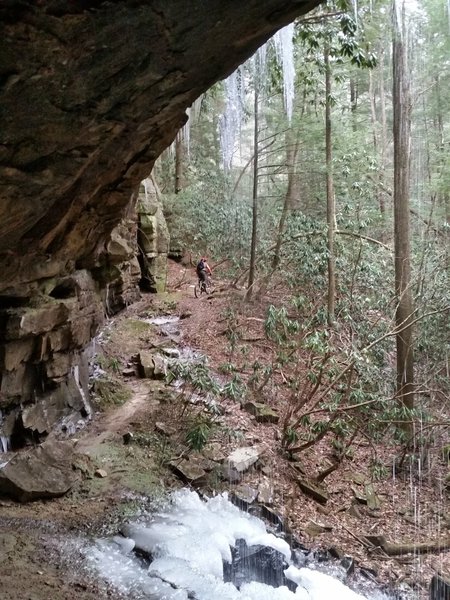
90,95
153,238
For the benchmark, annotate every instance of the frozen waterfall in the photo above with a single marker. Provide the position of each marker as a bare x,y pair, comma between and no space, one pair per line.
190,547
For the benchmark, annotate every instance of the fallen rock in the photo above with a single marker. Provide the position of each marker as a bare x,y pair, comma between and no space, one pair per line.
313,528
358,478
243,458
256,563
271,516
355,512
101,473
202,461
348,563
360,497
265,493
152,366
188,471
171,352
129,372
312,489
145,363
165,429
262,412
245,495
373,501
214,452
336,552
298,466
229,474
42,472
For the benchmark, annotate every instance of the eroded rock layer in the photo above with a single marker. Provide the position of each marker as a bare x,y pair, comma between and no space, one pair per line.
90,94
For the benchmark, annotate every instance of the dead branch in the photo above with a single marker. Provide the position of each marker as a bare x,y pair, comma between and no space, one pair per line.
394,549
364,237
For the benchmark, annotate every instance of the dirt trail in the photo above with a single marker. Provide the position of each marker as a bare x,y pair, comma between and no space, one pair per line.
112,424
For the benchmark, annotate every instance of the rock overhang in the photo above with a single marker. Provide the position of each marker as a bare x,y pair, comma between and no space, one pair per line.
90,94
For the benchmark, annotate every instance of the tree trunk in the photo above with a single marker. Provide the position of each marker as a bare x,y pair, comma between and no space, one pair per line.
251,273
353,101
291,198
291,201
383,136
373,116
401,131
331,210
179,163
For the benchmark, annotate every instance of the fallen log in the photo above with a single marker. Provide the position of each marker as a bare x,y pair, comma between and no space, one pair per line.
393,549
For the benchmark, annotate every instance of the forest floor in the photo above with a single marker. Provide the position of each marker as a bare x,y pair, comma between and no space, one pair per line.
39,559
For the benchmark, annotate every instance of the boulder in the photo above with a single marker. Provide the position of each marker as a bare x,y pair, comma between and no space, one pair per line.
245,495
262,412
214,453
243,458
313,528
256,563
440,588
165,429
265,493
152,366
312,489
229,474
373,500
42,472
188,471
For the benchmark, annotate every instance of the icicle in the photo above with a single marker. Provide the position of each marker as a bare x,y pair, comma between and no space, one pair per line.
5,441
230,121
76,377
355,11
260,63
398,9
284,47
448,14
186,132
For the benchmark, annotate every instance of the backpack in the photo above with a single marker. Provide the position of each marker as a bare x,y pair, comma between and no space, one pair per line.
200,266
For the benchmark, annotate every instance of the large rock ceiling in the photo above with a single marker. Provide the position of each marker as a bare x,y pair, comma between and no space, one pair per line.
89,99
91,92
